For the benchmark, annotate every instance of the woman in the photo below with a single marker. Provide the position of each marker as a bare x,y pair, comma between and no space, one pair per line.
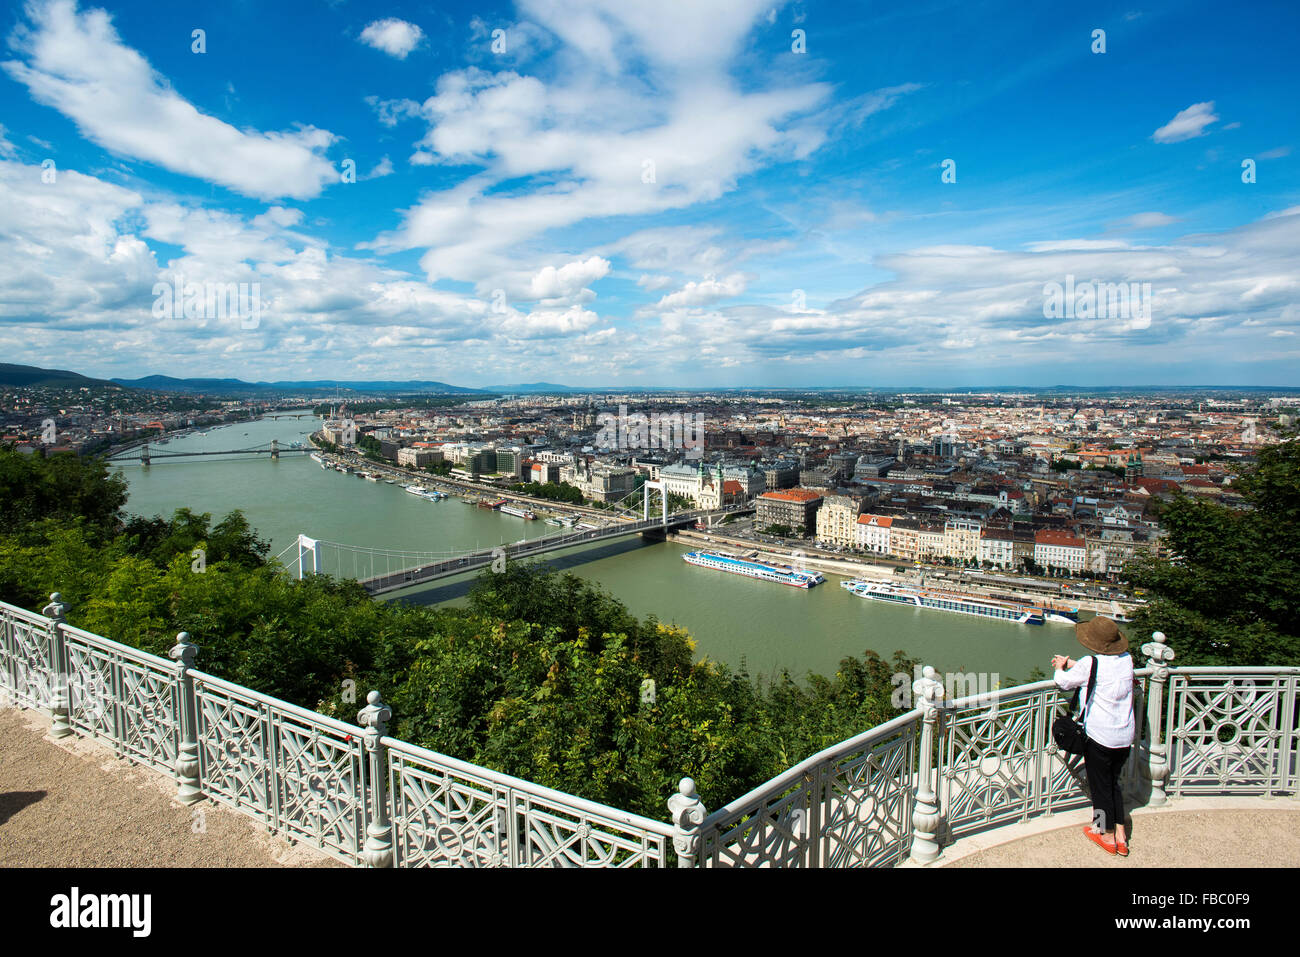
1107,722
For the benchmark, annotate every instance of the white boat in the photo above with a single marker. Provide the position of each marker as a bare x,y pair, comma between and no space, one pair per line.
316,457
765,571
918,596
517,512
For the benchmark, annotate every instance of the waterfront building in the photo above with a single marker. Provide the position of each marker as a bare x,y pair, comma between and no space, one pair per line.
418,458
929,541
961,539
997,547
600,483
873,534
684,480
904,538
1055,548
837,520
796,508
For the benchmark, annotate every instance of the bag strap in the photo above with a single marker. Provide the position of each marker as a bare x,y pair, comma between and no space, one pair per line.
1092,685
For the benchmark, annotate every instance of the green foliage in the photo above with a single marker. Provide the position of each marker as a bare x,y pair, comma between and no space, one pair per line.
61,487
554,491
1229,595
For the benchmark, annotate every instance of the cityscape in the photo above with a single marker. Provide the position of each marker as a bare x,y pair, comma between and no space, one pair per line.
402,445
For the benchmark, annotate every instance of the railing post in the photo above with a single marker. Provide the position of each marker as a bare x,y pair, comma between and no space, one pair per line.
188,786
374,717
926,818
688,814
60,726
1158,654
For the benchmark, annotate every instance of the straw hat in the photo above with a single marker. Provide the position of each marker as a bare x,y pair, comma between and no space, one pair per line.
1102,636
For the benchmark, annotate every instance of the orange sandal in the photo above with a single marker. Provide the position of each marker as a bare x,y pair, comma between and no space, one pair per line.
1121,848
1099,839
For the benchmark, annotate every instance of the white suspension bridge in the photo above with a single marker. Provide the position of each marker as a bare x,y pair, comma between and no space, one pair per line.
382,570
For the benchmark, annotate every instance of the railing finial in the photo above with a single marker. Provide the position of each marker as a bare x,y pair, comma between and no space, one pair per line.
927,822
688,814
56,609
374,717
60,698
1159,654
189,789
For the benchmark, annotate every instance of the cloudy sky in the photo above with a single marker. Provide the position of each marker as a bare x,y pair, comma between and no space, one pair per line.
681,193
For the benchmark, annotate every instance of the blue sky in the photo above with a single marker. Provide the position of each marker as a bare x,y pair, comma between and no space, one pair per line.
684,193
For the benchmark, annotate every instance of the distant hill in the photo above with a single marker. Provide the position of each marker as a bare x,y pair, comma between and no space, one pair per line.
50,378
162,383
525,388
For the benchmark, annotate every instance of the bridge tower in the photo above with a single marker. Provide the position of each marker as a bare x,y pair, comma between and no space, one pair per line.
144,456
663,497
306,545
275,450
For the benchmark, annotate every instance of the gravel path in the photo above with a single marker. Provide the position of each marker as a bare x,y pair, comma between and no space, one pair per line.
74,804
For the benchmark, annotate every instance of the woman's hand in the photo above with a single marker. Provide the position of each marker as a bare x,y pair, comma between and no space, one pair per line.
1060,662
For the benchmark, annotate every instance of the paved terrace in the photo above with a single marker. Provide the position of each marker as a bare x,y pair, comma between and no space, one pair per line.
71,803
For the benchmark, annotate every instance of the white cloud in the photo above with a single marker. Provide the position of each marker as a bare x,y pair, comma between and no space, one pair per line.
1187,124
1151,220
591,144
76,63
395,37
568,280
702,293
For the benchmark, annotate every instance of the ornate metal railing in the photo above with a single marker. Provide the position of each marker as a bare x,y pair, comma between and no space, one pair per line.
298,772
124,697
999,765
448,813
849,805
900,791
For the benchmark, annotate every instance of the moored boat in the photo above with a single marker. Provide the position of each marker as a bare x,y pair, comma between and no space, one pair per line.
919,596
765,571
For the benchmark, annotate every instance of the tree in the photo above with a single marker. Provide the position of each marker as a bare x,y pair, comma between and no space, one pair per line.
1229,596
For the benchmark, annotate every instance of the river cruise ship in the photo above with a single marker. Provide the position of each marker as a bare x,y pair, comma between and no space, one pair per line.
751,568
919,596
517,512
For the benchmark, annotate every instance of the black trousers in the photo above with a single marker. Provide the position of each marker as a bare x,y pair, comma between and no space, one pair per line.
1103,765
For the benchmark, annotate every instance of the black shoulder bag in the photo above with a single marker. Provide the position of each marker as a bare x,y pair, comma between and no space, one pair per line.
1067,731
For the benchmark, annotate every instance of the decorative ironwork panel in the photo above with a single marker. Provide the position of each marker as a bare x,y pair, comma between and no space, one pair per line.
556,835
990,771
866,816
446,815
123,696
441,819
272,761
320,795
234,753
25,643
775,833
1230,732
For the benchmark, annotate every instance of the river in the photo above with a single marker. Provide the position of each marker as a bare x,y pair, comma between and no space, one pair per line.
732,619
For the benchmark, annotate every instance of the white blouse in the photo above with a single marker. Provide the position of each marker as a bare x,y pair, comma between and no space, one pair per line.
1109,719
